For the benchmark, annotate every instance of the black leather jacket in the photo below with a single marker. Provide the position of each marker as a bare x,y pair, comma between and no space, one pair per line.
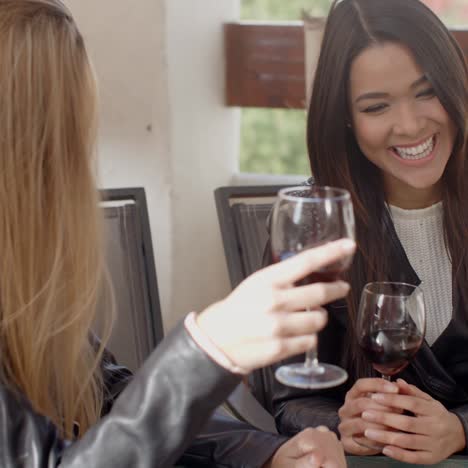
441,370
152,421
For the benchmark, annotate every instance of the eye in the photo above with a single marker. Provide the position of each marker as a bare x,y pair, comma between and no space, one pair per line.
427,93
375,108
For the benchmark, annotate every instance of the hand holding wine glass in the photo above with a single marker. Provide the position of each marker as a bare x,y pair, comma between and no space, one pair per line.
268,302
303,218
390,329
359,400
421,430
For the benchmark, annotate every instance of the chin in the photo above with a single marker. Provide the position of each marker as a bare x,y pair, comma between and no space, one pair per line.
423,185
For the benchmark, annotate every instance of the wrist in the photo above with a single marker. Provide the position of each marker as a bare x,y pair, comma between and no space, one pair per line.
204,340
459,434
270,463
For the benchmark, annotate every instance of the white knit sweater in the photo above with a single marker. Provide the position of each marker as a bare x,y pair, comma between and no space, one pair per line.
421,234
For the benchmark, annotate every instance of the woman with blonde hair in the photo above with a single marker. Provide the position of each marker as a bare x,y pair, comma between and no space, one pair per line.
56,380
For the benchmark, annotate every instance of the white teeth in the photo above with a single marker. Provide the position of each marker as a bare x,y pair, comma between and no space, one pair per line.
416,152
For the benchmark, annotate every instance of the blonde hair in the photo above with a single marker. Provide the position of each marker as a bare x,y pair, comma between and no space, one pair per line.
50,228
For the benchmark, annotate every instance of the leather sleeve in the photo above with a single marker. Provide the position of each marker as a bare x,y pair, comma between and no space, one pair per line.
158,414
26,439
228,443
150,424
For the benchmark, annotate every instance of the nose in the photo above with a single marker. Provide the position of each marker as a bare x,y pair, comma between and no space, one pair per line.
408,122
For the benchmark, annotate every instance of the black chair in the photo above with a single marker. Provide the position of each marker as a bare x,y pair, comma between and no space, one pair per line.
242,215
138,326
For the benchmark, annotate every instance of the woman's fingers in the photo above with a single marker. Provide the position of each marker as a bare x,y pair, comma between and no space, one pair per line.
399,422
300,323
312,296
352,436
356,426
299,266
412,390
410,403
357,406
398,439
282,348
258,323
371,385
367,443
352,447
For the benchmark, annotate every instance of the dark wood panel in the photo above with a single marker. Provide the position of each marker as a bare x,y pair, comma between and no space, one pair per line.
461,36
265,64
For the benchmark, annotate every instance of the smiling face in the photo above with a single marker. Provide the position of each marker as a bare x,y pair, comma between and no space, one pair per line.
400,124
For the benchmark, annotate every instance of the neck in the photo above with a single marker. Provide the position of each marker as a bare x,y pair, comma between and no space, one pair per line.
411,198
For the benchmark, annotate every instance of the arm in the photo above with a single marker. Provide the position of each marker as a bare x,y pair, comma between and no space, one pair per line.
172,396
149,425
231,443
156,416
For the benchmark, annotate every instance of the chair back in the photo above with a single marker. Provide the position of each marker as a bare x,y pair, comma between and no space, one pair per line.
243,216
243,213
138,325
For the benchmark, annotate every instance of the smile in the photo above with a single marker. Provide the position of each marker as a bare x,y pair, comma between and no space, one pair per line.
417,152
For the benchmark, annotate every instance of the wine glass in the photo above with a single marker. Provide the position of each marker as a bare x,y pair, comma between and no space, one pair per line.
391,325
306,217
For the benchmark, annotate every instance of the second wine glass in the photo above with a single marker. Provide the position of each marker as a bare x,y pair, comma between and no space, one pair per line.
306,217
391,325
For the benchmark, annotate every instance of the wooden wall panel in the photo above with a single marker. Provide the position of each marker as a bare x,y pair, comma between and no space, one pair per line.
462,37
265,64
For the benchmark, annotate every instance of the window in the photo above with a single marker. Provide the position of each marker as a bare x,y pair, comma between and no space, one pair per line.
452,12
283,9
273,140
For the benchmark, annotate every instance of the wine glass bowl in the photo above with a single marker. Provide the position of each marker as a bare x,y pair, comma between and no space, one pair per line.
391,325
306,217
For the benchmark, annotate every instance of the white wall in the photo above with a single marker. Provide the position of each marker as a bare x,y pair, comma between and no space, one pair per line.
160,66
204,146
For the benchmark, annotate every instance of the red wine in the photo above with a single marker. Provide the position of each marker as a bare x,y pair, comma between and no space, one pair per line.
391,350
327,274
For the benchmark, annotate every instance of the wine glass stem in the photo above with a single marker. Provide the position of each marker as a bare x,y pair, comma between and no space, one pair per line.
311,359
388,378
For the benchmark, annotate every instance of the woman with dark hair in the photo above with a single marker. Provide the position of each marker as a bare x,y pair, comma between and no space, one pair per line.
63,399
387,121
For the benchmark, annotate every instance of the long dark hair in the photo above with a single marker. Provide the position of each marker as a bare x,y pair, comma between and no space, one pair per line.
336,159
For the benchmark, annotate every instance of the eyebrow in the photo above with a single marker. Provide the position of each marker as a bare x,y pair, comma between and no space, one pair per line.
379,95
